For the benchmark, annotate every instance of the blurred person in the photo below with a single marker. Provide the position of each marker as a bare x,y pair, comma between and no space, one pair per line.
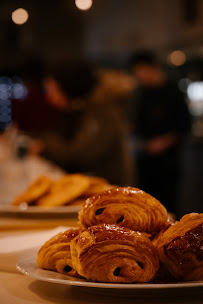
32,113
92,133
161,119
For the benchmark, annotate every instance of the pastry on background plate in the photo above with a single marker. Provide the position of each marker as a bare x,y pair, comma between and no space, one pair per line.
38,188
65,190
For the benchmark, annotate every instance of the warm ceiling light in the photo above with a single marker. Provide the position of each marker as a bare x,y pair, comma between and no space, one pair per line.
176,58
83,4
20,16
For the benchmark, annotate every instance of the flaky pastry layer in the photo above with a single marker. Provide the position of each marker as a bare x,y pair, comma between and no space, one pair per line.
108,253
127,207
181,248
55,253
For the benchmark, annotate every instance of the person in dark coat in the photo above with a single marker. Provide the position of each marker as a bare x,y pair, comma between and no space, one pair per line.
161,120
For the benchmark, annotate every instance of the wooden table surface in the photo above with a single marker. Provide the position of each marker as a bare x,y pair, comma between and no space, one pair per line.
16,288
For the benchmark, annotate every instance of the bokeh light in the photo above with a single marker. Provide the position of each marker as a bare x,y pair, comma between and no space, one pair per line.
5,95
20,16
195,91
19,91
5,118
4,110
176,58
83,4
5,103
195,96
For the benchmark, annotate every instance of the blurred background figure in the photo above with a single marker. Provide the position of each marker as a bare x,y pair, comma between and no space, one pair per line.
92,134
32,113
161,120
31,43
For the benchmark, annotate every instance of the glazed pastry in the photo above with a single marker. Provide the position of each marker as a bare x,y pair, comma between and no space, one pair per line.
65,190
108,253
38,188
157,237
181,248
55,253
127,207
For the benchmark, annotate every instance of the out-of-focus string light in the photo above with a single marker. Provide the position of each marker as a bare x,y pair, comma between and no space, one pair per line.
176,58
19,91
9,88
195,96
4,110
20,16
5,94
83,5
195,91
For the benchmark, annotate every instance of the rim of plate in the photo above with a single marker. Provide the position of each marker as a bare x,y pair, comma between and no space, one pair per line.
21,267
40,210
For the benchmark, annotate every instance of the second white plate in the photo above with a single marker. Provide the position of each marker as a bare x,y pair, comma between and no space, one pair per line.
5,208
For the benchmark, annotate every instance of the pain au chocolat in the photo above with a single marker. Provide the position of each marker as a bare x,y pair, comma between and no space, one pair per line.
108,253
55,253
181,248
127,207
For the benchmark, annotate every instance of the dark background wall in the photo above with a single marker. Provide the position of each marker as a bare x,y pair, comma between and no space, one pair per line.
57,30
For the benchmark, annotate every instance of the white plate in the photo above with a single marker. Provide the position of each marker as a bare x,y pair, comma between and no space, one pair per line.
5,208
27,265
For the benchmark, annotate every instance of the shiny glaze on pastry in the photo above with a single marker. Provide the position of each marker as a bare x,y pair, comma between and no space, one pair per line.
108,253
127,207
55,253
181,248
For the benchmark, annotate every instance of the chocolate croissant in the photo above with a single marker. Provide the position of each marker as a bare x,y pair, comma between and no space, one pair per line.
181,248
55,253
127,207
108,253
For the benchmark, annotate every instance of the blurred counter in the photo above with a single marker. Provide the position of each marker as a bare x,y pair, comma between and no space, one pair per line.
14,223
19,289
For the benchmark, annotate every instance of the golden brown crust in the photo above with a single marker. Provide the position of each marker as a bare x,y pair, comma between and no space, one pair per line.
65,190
108,253
55,253
38,188
156,238
127,207
181,248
